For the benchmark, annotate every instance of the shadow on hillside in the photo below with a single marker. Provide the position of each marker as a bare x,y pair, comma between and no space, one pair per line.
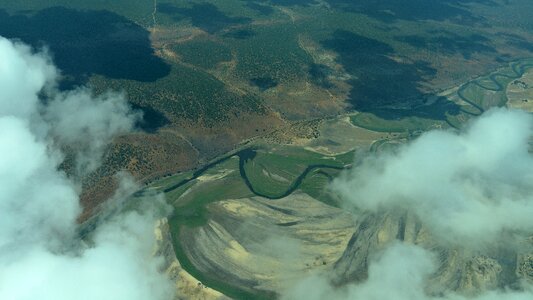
319,75
152,119
83,43
89,42
517,41
205,16
383,85
252,3
415,10
451,43
240,34
264,10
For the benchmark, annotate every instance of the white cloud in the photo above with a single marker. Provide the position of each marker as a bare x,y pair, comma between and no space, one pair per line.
467,188
37,203
40,255
118,266
87,123
470,189
23,74
399,273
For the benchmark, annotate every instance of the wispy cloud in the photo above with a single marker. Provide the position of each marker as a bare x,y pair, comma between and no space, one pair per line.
40,255
467,187
472,190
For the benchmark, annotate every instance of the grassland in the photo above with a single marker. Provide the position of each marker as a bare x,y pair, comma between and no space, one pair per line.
187,94
385,65
139,11
190,201
382,65
406,124
246,173
242,174
274,173
490,91
203,64
203,53
472,98
315,185
272,52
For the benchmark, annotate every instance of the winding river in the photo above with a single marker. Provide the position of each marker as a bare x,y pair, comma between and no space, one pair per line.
244,156
518,69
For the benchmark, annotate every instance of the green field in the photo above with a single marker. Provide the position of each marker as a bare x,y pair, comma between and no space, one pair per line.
212,70
490,90
352,44
186,94
203,53
275,171
406,124
237,176
272,52
479,94
272,173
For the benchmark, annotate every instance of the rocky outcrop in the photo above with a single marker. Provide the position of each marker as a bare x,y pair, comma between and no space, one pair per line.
264,246
460,269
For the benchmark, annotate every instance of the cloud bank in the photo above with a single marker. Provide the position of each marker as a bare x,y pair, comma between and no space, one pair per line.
40,254
399,273
87,123
471,187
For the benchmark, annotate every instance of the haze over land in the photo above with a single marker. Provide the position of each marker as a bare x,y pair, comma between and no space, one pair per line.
210,74
266,149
